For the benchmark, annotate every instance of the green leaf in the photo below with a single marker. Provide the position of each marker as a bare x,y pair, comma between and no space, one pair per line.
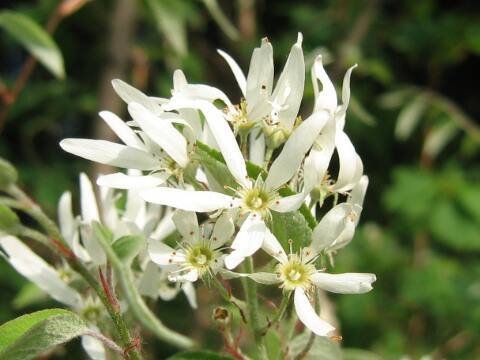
127,247
199,355
358,354
273,345
322,348
409,117
29,294
30,335
38,42
291,225
9,221
102,232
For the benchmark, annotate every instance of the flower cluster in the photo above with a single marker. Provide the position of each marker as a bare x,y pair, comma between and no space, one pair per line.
216,175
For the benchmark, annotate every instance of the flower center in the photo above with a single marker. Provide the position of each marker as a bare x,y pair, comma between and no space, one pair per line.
239,118
256,200
200,257
295,274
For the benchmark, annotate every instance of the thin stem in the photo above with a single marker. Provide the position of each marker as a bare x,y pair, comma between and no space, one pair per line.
268,157
31,208
250,288
112,345
279,315
228,297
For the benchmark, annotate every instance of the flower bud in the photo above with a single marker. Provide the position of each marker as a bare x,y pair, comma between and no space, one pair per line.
8,174
222,316
9,221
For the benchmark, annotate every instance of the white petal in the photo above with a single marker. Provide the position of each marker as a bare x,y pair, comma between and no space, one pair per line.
291,83
316,163
88,200
272,247
35,269
237,72
223,230
66,220
164,228
123,181
187,225
123,131
205,93
288,203
190,294
336,226
257,147
294,150
162,254
357,195
129,94
259,277
93,347
106,152
167,292
345,97
223,136
233,259
327,98
149,282
250,236
190,275
306,314
350,163
260,77
162,132
348,283
201,201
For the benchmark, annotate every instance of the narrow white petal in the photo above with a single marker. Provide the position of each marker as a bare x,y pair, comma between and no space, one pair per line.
237,72
260,77
201,201
205,93
162,132
162,254
335,226
345,94
123,131
149,282
257,147
106,152
187,225
166,292
348,283
357,194
272,247
233,259
259,277
306,314
250,236
327,98
350,164
165,227
130,94
294,150
35,269
190,275
189,291
66,220
289,89
124,181
223,230
288,203
88,201
223,136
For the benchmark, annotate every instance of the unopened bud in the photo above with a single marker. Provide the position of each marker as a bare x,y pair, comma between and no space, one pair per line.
9,221
221,315
8,174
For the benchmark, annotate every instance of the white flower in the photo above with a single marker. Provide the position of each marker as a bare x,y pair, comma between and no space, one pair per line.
257,198
297,273
199,252
332,137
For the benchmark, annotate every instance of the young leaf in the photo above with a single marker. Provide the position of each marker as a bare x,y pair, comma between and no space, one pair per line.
9,221
127,247
322,348
291,226
30,335
38,42
8,174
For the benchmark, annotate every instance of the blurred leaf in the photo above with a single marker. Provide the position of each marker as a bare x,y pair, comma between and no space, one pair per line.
469,197
28,295
198,355
453,229
273,345
127,247
170,23
322,349
358,354
409,117
394,99
28,336
438,138
34,39
359,110
221,19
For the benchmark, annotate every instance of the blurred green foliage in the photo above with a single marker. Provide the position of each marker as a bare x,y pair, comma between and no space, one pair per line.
412,119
